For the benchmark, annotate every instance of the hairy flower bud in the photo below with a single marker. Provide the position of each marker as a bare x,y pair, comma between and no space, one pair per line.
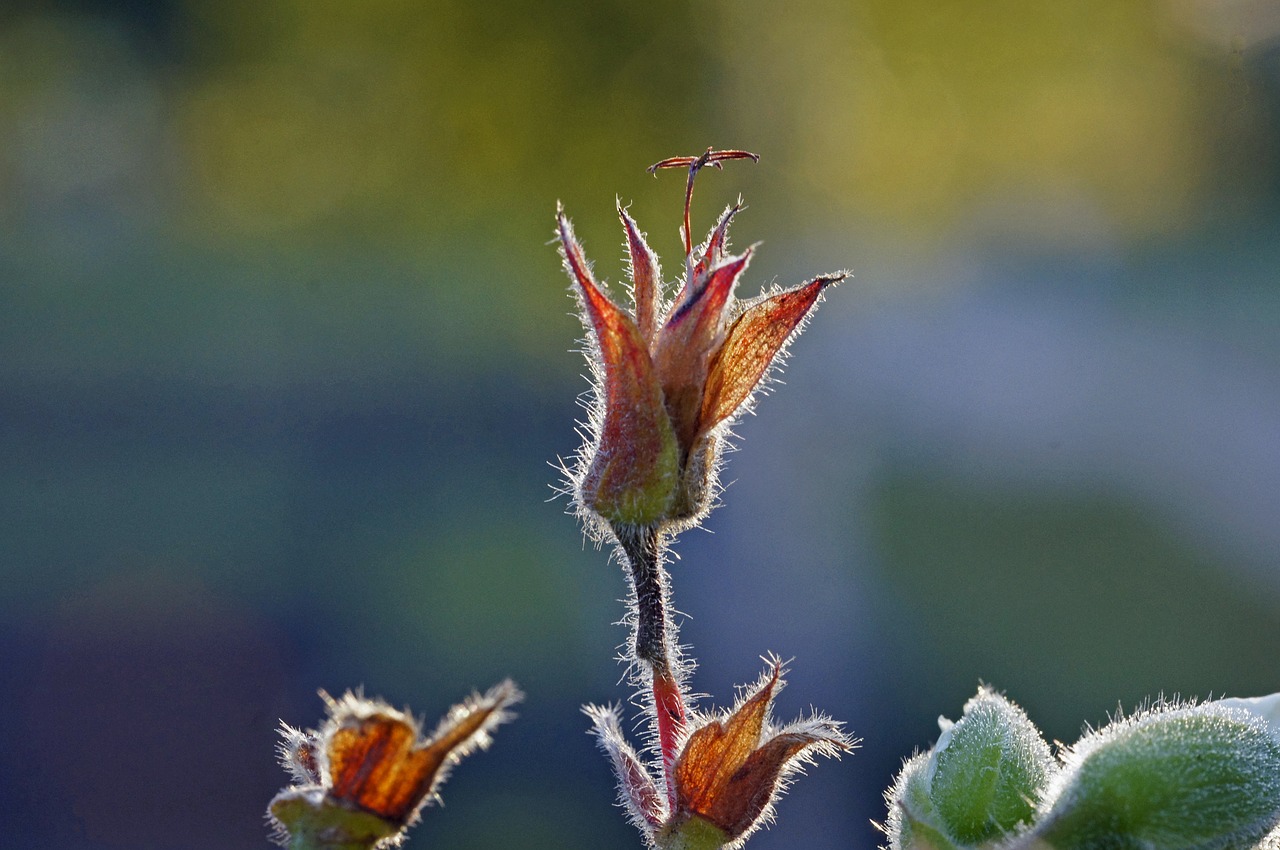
978,784
989,769
671,376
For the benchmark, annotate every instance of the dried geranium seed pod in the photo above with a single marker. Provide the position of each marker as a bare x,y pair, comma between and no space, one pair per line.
728,775
670,377
364,776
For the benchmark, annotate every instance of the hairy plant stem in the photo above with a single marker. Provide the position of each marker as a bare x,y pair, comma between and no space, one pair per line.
643,549
652,643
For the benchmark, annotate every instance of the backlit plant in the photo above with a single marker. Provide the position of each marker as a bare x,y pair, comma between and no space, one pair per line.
671,374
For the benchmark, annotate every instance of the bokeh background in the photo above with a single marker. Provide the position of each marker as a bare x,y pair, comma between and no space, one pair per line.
285,360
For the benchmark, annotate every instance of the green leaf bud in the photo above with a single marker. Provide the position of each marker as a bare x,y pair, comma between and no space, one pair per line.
912,821
1199,777
988,770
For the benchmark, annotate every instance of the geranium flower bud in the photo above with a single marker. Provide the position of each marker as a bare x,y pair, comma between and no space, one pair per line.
364,776
672,376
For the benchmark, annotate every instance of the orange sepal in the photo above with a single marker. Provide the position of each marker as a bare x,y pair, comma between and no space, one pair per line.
752,788
646,278
751,346
375,759
714,753
374,766
687,341
632,476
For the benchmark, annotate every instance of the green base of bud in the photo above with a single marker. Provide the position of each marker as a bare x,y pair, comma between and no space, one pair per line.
317,824
693,834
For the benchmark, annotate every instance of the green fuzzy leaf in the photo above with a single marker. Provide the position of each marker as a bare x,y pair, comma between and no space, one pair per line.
1201,777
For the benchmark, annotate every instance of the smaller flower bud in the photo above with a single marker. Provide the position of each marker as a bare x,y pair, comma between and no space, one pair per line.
989,769
728,775
979,783
1191,777
364,776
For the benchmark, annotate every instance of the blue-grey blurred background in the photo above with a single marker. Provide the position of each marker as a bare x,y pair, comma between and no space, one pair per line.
285,360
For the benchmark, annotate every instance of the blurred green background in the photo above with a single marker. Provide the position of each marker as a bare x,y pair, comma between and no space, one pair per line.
285,356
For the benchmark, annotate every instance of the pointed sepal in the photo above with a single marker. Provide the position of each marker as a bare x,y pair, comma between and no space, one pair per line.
637,791
685,348
646,278
632,475
753,345
714,250
733,769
